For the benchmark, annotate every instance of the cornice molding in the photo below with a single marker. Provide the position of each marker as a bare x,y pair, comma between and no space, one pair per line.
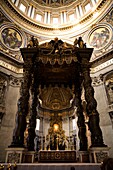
102,59
10,67
102,66
32,25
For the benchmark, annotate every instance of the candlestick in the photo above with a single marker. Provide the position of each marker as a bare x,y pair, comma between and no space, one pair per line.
45,146
45,138
49,144
57,143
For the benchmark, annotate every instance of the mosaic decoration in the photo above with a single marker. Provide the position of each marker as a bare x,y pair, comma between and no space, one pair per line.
100,37
101,156
109,17
14,157
11,38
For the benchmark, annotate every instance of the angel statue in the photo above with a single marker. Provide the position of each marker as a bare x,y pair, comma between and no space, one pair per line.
33,42
79,43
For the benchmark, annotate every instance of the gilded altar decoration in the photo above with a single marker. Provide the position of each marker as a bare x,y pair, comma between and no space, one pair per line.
57,156
15,166
56,127
12,166
1,166
56,135
9,166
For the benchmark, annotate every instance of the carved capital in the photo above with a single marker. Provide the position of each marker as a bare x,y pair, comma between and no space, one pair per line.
16,82
97,80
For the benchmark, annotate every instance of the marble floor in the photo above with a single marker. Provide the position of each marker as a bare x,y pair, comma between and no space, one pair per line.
57,166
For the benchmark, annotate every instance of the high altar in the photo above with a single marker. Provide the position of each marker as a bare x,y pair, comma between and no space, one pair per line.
56,75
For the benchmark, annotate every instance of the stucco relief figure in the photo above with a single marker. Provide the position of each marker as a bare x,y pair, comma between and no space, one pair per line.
36,143
11,38
109,85
18,135
109,17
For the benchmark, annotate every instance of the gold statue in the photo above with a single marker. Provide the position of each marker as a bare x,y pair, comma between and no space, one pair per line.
9,166
15,166
1,166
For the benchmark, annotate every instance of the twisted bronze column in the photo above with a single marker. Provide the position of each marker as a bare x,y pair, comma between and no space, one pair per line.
96,133
23,102
29,56
33,114
81,120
